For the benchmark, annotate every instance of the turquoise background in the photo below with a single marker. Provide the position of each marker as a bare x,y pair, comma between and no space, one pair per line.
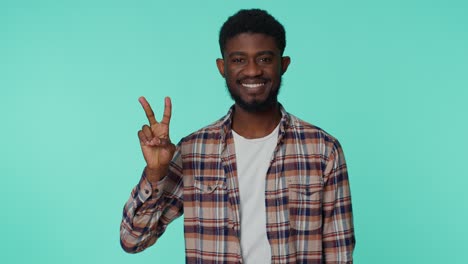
389,79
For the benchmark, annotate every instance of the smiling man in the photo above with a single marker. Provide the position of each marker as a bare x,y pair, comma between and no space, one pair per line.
257,186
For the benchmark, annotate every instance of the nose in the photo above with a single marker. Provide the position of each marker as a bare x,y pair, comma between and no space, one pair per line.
252,69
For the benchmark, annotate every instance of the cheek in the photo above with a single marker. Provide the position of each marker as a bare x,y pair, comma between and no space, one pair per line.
231,74
275,73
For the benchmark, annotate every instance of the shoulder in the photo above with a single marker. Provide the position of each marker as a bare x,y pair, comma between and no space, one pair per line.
310,130
211,131
310,134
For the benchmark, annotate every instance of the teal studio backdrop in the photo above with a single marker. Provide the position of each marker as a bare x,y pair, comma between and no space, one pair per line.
389,79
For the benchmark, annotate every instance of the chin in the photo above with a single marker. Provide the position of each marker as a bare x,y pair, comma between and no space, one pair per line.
256,106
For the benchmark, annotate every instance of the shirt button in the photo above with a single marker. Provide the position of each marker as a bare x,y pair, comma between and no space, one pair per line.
209,188
156,190
146,191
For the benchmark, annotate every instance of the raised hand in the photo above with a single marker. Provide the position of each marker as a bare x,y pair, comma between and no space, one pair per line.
155,142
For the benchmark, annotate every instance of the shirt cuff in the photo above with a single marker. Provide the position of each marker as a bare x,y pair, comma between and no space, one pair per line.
149,190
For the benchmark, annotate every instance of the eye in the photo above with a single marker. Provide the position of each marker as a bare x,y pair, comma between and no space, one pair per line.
237,60
265,59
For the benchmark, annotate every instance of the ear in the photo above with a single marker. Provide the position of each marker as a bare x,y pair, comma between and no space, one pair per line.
284,64
220,65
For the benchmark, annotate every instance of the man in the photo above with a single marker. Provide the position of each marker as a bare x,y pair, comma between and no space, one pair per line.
257,186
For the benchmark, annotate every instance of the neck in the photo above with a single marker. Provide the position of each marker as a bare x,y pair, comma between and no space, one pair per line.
255,124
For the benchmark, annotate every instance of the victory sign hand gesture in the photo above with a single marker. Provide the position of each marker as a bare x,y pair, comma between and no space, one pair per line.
155,142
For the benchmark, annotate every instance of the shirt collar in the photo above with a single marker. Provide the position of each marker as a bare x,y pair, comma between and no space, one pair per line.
226,123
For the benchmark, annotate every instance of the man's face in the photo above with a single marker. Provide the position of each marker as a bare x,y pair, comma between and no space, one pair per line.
252,66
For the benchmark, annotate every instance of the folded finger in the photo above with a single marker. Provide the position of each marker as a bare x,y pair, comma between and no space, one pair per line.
143,139
147,132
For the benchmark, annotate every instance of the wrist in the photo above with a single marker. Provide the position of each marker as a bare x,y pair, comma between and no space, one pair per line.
155,175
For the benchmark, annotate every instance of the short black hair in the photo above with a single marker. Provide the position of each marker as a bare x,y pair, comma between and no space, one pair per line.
252,21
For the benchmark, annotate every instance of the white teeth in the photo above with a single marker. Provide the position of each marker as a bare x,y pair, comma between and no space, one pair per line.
252,85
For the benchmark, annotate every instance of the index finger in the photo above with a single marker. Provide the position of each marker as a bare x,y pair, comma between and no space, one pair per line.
149,112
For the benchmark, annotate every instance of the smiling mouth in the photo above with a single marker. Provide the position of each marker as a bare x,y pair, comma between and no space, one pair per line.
252,85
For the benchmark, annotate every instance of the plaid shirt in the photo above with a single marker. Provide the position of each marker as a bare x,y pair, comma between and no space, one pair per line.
308,204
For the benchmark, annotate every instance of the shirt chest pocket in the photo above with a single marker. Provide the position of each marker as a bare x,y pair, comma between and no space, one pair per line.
209,187
210,199
305,206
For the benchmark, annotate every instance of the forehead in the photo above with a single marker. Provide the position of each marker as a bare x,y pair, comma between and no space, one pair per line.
250,43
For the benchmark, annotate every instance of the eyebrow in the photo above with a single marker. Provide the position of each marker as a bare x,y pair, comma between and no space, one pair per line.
240,53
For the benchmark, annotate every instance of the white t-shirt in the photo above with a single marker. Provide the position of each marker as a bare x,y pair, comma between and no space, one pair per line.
253,158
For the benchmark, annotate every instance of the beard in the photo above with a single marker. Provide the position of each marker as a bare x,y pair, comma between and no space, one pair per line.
256,105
